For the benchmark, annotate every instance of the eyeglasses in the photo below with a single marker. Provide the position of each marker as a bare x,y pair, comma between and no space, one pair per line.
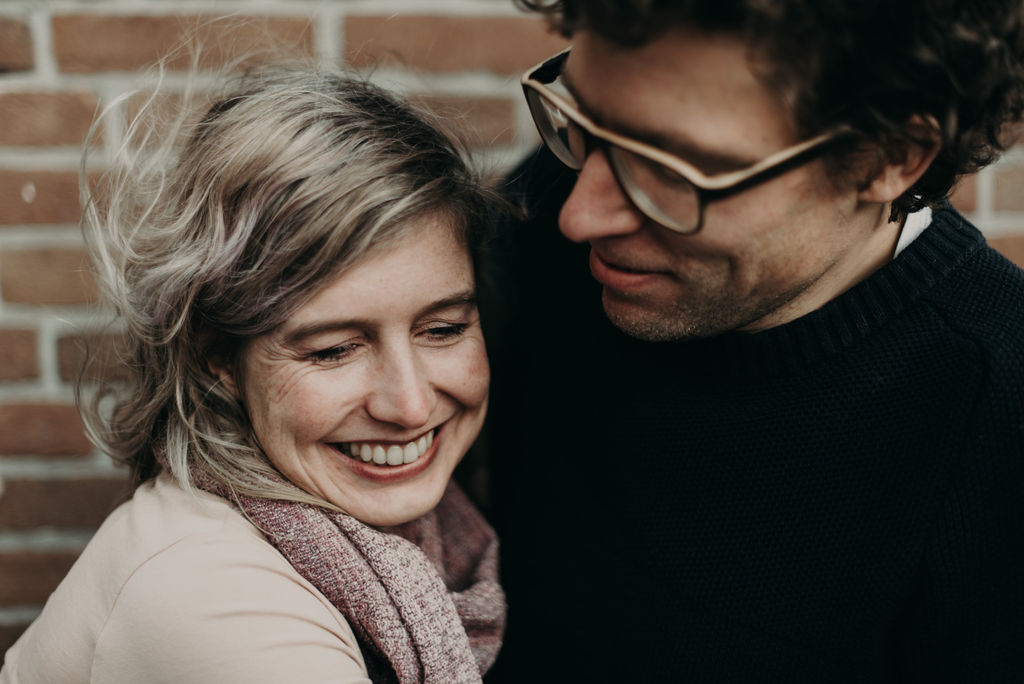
666,188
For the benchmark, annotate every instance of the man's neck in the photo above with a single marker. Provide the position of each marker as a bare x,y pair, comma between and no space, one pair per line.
851,267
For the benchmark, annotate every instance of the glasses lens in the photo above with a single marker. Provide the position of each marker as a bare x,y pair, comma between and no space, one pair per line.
658,191
558,132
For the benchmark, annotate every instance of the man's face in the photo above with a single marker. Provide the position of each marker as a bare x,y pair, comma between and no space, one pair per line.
764,256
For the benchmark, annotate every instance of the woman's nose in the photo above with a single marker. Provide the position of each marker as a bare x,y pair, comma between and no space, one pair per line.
597,207
402,393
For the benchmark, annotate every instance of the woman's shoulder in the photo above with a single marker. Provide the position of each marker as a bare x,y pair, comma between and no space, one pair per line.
183,585
184,544
163,525
218,595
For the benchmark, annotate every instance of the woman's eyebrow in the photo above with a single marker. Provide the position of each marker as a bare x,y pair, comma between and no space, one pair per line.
314,328
465,298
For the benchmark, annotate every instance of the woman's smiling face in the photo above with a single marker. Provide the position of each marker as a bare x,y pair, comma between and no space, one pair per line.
370,394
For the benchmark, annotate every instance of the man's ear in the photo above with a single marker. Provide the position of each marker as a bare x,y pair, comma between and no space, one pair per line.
906,164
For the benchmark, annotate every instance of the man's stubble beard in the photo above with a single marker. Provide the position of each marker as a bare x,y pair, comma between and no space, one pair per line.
708,314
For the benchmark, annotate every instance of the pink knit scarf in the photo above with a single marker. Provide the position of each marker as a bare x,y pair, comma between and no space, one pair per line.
422,598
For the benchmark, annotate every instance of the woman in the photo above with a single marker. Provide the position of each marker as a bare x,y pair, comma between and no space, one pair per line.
306,370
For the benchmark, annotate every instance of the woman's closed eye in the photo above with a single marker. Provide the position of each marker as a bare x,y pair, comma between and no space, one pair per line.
442,333
434,334
336,353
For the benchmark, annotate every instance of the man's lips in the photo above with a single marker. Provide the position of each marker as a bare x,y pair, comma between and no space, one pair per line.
619,277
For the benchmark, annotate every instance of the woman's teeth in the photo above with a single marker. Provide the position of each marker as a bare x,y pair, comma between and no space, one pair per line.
388,454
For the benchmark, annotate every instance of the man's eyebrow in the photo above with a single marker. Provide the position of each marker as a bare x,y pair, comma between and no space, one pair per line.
708,161
466,298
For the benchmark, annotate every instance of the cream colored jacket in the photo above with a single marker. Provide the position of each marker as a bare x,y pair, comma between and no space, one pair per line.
183,589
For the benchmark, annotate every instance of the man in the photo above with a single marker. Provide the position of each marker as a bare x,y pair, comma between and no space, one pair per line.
761,417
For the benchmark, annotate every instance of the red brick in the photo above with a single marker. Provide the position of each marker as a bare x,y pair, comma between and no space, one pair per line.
133,42
45,118
15,46
965,194
42,429
32,197
1011,246
100,350
56,276
503,45
30,577
63,504
1009,191
480,122
18,358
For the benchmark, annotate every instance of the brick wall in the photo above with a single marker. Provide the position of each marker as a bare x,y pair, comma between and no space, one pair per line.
61,59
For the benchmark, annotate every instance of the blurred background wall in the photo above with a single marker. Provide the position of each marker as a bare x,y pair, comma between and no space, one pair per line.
63,60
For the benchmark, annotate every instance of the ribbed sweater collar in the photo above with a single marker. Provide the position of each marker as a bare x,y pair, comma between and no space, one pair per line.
842,323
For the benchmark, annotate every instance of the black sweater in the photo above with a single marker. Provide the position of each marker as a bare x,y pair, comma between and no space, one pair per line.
839,499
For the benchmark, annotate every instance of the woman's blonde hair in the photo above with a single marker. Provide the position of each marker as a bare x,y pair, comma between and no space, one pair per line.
215,230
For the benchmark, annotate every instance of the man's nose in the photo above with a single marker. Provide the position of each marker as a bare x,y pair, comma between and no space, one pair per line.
597,206
402,393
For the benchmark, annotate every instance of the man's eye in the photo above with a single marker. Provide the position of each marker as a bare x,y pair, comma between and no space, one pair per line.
667,176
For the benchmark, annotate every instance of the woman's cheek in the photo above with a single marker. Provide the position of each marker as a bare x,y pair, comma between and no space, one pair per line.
475,372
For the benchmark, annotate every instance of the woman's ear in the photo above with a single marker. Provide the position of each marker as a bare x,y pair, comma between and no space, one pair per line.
224,372
219,360
906,164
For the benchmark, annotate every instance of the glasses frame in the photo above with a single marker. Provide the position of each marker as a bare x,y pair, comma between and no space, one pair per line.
535,83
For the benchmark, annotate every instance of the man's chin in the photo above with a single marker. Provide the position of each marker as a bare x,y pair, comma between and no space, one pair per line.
644,322
662,322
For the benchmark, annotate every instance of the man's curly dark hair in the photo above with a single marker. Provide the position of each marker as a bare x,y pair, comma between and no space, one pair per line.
872,64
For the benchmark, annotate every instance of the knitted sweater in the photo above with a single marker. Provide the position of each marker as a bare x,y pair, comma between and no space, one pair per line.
839,499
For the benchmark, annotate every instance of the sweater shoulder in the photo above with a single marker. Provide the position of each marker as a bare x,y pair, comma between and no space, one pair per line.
983,301
973,290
